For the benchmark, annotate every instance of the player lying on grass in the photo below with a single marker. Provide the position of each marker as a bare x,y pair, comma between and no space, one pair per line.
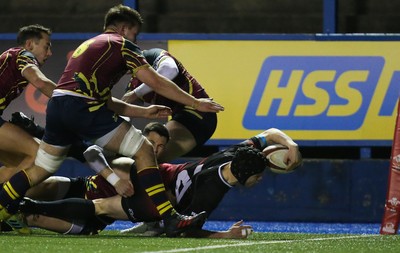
196,185
203,184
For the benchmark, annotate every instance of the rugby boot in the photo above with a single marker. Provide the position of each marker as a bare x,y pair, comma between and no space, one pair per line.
4,227
178,223
17,223
150,229
4,214
28,124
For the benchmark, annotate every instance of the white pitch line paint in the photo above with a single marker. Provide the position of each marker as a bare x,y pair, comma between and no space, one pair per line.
257,243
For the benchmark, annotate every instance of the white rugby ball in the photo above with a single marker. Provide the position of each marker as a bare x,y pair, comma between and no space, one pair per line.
275,154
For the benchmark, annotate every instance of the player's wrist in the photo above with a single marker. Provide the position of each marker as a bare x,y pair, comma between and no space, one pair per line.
113,179
196,104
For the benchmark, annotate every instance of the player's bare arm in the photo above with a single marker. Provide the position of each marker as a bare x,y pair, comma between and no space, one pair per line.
129,110
170,90
39,80
236,231
293,157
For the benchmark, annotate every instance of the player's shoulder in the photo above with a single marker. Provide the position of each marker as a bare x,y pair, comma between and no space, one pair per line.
13,50
130,45
153,52
11,54
27,56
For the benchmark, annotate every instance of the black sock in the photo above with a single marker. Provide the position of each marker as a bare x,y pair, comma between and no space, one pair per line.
72,208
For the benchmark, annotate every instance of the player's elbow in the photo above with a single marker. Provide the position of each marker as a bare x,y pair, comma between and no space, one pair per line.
168,71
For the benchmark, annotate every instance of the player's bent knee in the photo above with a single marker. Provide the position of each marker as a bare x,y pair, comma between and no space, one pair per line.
48,162
145,149
131,143
99,206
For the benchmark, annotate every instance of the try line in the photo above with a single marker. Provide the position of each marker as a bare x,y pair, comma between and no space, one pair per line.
257,243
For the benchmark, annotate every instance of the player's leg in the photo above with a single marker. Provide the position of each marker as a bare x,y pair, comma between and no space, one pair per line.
16,140
62,123
78,215
187,130
181,142
48,160
53,188
17,149
110,207
122,166
130,142
49,223
11,160
6,172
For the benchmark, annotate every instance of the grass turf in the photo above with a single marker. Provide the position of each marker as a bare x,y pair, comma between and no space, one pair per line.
111,241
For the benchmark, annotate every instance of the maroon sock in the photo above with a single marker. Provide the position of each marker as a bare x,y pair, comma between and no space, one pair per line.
151,181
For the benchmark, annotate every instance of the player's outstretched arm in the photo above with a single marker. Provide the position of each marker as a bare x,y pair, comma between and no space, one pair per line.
170,90
236,231
151,112
275,136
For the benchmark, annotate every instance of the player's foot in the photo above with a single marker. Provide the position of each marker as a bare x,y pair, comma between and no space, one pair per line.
4,214
28,124
27,205
17,223
179,223
4,227
150,229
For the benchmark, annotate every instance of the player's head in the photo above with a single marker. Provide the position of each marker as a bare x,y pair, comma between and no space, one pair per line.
125,20
247,162
36,39
158,135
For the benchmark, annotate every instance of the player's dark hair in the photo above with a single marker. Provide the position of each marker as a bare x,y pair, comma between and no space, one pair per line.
157,127
247,162
122,14
31,32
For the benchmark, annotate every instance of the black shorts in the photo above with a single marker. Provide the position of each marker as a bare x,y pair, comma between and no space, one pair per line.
77,188
202,125
92,187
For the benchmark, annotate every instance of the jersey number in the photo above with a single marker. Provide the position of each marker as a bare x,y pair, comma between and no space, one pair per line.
184,181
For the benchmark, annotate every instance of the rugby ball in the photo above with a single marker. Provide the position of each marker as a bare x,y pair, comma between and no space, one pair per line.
275,158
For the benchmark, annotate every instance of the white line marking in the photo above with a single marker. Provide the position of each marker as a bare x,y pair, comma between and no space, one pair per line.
258,243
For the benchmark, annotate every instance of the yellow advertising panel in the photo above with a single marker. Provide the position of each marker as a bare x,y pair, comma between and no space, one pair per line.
312,90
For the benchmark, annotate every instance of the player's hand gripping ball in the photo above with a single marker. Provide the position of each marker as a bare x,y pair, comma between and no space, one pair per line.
275,156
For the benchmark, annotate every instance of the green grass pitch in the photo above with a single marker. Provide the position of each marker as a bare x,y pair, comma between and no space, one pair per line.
110,241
